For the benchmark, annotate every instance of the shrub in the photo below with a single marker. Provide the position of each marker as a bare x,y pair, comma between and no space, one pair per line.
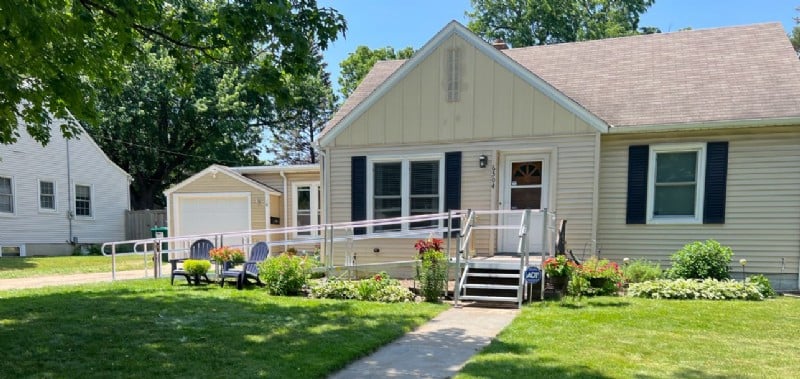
641,270
378,288
431,268
196,266
284,274
763,284
559,266
710,289
701,260
224,254
603,277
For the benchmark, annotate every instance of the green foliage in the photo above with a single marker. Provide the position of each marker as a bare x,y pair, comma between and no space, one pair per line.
559,265
285,274
527,23
701,260
603,276
378,288
196,266
710,289
432,273
358,63
763,284
641,270
64,50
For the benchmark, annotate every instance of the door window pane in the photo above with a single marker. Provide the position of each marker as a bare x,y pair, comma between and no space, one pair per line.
6,196
526,173
526,198
47,196
304,208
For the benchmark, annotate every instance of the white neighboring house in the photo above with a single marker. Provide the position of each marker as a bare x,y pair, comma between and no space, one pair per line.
54,196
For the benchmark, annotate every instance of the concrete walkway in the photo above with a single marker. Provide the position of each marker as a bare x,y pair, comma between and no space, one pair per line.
60,280
438,349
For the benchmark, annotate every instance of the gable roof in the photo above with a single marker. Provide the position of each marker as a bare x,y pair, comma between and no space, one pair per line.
227,171
383,77
744,75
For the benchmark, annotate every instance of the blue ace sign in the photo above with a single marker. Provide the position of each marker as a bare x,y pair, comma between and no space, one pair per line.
533,275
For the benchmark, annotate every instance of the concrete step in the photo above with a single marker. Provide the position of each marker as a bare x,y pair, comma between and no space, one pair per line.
504,299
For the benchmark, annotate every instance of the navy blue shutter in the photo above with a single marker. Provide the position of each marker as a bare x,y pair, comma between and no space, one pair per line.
452,183
358,191
716,178
638,160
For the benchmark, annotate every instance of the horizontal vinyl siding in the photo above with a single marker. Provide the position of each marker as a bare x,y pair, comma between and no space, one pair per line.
27,161
571,189
762,222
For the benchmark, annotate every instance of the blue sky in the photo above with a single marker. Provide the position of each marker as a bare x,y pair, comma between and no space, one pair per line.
379,23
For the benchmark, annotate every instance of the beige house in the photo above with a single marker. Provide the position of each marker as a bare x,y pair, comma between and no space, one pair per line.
642,143
231,199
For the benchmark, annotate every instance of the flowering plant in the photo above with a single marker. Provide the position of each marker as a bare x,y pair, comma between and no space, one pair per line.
430,244
227,254
431,268
559,266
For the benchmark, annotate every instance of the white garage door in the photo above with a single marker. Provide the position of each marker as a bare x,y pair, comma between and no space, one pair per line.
212,214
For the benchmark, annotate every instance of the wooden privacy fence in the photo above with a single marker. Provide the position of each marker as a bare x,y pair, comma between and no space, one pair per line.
138,223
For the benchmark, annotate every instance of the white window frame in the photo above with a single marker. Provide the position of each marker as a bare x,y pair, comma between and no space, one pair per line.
316,207
92,199
405,193
20,247
55,196
700,150
13,197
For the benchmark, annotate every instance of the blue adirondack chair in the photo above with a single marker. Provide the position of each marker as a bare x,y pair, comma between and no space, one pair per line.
199,249
258,253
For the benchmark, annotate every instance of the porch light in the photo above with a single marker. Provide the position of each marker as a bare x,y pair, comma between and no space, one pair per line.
482,161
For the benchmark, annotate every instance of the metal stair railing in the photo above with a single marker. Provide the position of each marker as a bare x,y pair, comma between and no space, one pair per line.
462,242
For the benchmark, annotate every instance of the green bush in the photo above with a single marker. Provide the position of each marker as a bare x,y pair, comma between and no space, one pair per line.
641,270
284,274
763,285
432,273
710,289
378,288
196,266
702,260
595,277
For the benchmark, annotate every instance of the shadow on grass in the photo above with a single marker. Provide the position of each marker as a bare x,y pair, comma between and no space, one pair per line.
16,263
586,303
512,360
692,374
158,330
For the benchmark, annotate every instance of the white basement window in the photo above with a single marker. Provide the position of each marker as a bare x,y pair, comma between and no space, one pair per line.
675,184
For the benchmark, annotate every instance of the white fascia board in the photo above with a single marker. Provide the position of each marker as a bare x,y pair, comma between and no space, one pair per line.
276,169
220,170
455,28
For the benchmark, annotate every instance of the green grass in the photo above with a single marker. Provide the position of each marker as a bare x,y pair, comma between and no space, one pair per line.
26,267
147,328
641,338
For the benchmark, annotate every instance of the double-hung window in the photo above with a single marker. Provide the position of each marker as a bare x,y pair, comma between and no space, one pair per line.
676,183
406,187
6,195
307,206
47,196
83,200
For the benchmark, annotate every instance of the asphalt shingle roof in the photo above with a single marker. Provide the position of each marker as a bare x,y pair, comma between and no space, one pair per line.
690,77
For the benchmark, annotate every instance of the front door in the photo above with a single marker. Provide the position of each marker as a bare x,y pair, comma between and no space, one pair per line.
524,186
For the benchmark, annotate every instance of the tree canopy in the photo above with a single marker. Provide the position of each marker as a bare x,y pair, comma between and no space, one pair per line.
523,23
358,63
161,127
795,35
56,53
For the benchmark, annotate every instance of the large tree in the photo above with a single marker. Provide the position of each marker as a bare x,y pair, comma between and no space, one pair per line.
795,36
358,63
162,127
56,52
539,22
297,122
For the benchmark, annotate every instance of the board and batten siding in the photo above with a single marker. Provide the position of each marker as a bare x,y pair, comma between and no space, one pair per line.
223,183
28,162
493,103
571,189
762,220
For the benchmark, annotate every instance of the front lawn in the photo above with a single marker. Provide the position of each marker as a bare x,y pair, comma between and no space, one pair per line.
147,328
641,338
26,267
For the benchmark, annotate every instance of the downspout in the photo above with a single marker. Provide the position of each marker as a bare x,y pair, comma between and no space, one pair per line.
596,193
69,195
285,208
324,184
